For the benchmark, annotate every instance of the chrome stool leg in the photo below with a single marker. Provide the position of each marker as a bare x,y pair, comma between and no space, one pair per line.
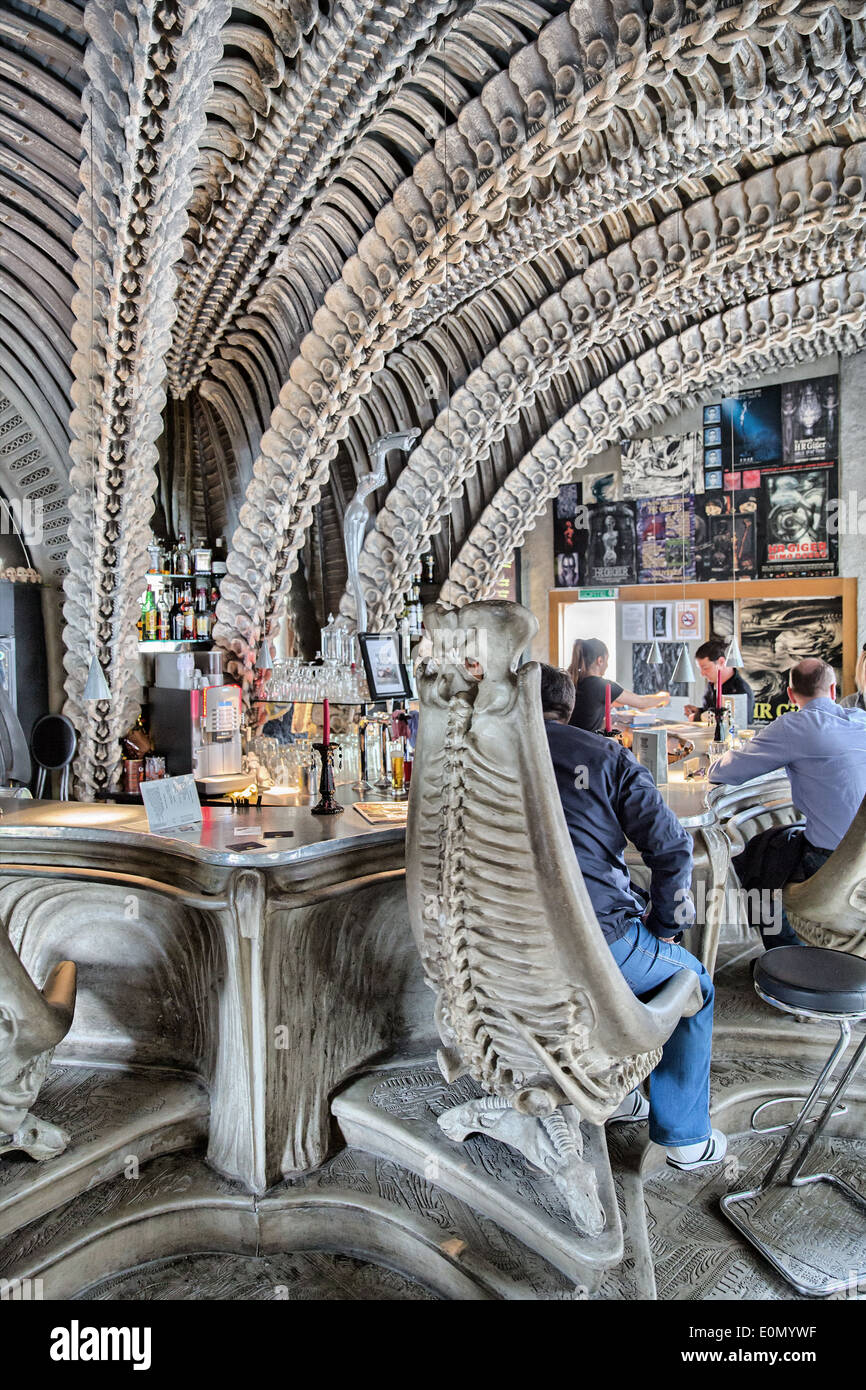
792,1178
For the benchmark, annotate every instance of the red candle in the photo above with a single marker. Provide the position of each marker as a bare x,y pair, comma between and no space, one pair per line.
326,723
607,707
718,690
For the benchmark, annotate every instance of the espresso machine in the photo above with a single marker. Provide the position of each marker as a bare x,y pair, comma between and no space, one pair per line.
199,731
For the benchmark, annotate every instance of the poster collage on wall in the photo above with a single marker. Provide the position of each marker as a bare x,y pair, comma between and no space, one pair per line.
747,497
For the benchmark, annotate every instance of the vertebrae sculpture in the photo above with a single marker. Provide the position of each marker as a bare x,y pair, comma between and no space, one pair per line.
32,1023
528,999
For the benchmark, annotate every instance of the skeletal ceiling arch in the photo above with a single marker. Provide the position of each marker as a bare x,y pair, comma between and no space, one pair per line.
555,457
376,301
726,249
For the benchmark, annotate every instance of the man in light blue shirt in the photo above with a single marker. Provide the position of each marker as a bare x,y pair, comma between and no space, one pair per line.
822,747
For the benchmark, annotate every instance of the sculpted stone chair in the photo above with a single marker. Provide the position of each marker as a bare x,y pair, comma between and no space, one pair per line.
32,1023
829,909
529,1001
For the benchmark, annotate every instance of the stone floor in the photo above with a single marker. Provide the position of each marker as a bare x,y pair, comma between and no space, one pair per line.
327,1236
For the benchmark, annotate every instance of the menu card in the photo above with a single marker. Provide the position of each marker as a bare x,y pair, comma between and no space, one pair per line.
382,812
171,803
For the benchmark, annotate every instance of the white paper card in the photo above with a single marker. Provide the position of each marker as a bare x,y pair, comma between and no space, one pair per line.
633,622
171,803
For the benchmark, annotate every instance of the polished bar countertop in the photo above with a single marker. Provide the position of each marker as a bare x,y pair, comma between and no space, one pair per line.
217,840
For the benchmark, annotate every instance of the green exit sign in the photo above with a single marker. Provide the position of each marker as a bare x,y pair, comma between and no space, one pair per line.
597,593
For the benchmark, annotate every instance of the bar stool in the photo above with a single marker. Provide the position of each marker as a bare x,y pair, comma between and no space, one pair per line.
829,987
52,744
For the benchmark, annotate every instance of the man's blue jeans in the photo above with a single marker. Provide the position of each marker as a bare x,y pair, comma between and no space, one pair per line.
679,1088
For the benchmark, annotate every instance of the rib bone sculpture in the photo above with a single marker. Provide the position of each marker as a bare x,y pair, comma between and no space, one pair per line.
529,1000
32,1023
829,909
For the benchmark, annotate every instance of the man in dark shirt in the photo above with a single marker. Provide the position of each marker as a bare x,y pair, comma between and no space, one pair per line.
712,659
608,799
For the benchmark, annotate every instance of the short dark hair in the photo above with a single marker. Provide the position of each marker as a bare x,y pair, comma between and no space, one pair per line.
810,677
713,650
557,691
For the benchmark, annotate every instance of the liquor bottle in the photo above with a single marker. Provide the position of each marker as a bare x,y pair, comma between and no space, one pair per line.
201,593
182,562
176,617
201,557
188,616
218,560
148,616
202,626
163,608
429,563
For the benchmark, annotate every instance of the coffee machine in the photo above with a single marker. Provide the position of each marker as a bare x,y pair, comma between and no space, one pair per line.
199,731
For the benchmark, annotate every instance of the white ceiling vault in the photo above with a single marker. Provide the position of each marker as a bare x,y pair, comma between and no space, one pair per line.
238,242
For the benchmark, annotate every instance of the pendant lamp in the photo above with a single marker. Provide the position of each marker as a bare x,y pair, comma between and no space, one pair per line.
684,670
655,654
733,656
96,686
265,658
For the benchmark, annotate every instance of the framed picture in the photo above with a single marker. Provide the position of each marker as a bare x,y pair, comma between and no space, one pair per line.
689,620
387,677
633,619
659,616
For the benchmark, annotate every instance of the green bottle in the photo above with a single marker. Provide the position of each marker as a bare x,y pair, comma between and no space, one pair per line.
149,617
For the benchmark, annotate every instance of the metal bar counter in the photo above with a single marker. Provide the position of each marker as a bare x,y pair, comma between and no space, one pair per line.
269,974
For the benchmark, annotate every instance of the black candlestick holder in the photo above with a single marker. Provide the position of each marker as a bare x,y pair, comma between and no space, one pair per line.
327,805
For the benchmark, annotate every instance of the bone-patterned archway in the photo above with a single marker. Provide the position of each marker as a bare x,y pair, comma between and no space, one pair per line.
241,242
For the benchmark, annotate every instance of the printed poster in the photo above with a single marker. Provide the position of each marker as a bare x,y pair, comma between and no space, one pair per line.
646,679
777,633
796,539
569,537
611,553
726,534
600,487
810,420
666,534
752,428
663,467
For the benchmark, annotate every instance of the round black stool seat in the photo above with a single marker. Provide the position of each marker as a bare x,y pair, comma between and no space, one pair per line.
810,977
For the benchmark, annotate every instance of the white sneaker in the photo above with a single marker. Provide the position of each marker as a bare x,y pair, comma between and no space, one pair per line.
635,1107
690,1156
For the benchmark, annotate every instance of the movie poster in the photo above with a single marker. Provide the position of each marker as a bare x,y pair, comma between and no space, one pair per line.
666,535
777,633
611,552
796,539
726,535
663,467
569,537
810,420
752,428
646,679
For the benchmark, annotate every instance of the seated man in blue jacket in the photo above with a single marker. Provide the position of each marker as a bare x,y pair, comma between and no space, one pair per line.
822,748
608,798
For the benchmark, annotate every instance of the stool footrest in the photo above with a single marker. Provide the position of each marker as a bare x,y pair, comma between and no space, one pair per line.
788,1264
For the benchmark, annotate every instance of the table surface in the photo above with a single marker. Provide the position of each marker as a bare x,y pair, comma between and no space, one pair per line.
216,840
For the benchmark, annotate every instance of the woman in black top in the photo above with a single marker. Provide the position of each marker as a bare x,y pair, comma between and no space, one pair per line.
589,660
